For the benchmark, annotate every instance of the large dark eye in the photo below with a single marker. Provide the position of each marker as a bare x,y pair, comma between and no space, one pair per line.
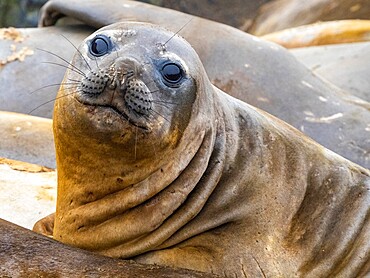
172,73
100,45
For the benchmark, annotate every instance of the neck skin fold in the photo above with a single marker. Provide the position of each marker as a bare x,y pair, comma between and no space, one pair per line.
122,216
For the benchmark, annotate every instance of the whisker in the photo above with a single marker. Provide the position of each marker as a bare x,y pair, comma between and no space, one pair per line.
136,142
74,80
178,31
96,62
79,52
51,85
164,105
155,91
147,117
64,60
167,120
116,53
165,102
152,81
160,115
64,66
49,101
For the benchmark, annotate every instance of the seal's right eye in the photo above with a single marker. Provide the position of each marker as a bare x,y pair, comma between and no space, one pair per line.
172,73
100,45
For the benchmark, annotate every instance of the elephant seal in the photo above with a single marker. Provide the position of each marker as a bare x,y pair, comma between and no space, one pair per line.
237,13
259,73
345,65
278,15
255,71
322,33
158,165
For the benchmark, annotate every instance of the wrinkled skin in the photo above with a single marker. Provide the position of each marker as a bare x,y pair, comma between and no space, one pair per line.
206,182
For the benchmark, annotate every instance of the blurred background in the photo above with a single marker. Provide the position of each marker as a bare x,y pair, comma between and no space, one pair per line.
24,13
19,13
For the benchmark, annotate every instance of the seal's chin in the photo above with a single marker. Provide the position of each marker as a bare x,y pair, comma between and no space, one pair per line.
125,117
130,120
110,113
131,102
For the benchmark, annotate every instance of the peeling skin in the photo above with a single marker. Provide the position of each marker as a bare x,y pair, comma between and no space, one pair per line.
16,36
23,166
17,55
322,33
11,33
326,120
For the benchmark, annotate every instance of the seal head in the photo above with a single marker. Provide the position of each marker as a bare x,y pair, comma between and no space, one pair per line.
145,85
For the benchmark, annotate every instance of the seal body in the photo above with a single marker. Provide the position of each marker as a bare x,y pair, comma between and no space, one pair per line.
322,33
269,17
158,165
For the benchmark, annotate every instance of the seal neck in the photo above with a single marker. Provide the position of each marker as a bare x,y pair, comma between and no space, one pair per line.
139,218
129,220
196,184
172,208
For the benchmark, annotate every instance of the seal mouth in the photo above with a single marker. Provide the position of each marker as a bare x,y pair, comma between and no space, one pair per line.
124,116
129,98
119,113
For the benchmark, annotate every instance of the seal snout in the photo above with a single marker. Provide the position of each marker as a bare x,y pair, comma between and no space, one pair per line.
127,67
121,86
95,82
137,96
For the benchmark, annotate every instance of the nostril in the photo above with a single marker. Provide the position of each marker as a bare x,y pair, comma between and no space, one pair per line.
129,66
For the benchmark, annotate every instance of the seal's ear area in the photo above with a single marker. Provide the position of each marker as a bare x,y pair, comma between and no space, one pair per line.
100,45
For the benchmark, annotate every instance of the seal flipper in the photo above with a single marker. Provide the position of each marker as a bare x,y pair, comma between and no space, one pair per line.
45,226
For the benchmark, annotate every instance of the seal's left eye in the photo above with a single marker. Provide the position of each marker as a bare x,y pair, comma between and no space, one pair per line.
99,46
172,73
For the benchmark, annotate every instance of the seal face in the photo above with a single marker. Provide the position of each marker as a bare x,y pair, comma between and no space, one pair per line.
158,165
129,85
